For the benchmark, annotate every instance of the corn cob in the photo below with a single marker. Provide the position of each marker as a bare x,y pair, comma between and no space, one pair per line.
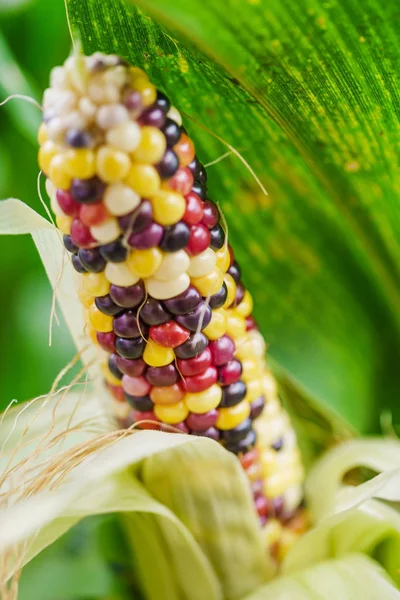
163,295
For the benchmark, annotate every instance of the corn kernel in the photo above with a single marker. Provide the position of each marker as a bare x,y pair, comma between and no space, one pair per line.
58,172
107,231
171,414
64,223
157,356
151,147
42,136
143,179
231,287
173,264
92,333
80,163
108,376
162,290
209,284
120,274
218,324
168,207
254,389
246,305
145,262
148,91
47,151
223,258
250,369
120,199
202,402
229,418
99,320
202,263
95,284
85,298
112,165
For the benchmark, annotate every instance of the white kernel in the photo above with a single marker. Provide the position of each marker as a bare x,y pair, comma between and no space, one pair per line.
125,136
50,189
202,264
162,290
55,207
87,108
120,274
106,232
76,69
101,92
173,264
58,78
59,101
175,115
111,115
120,199
57,126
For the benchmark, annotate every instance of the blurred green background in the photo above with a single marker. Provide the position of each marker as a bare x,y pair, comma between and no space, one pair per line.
33,38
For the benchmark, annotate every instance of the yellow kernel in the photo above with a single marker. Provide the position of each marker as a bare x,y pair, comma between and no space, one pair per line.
137,73
168,207
64,223
42,133
47,151
229,418
145,262
85,298
91,332
58,172
156,355
246,305
209,284
217,326
231,287
250,369
112,165
143,179
151,146
108,376
254,390
223,258
172,413
148,91
271,532
95,284
202,402
236,326
81,163
100,321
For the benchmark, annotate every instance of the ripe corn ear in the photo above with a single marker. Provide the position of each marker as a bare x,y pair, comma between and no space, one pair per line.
162,292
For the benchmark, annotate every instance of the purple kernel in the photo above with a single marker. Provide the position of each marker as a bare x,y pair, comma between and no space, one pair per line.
130,348
184,303
153,312
162,376
77,138
133,368
138,219
153,116
126,325
256,407
107,306
200,422
128,297
198,319
194,345
168,165
87,191
148,238
211,433
113,366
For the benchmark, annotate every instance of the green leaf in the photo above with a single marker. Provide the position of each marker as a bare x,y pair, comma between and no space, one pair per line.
306,91
354,576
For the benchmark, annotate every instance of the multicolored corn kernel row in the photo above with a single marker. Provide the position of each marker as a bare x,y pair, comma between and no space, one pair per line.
163,296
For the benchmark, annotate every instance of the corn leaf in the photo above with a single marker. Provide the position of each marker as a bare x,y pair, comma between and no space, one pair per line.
306,92
105,482
354,576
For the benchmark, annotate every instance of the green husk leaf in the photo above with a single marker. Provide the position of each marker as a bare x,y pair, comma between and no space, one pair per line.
379,455
105,482
321,130
232,545
353,577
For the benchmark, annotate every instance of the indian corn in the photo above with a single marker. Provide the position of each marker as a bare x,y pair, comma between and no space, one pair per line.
163,295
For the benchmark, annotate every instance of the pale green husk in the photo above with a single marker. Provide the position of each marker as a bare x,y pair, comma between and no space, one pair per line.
187,511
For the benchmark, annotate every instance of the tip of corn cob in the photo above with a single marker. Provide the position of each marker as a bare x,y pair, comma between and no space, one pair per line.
161,290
